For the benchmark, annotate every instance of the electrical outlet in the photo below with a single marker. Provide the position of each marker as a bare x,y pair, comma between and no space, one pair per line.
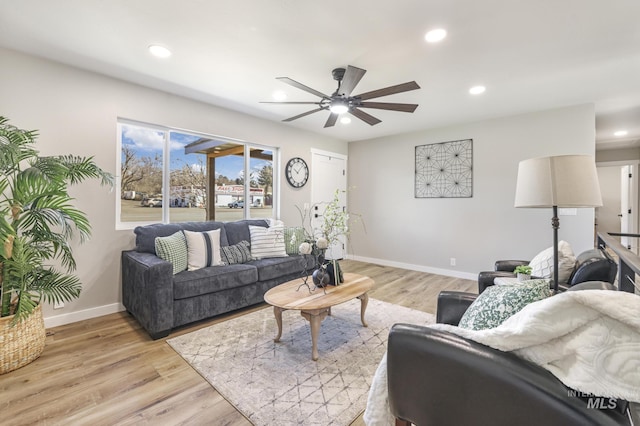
453,261
58,305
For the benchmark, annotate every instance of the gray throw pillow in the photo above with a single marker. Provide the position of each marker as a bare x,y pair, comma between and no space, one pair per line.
497,303
237,253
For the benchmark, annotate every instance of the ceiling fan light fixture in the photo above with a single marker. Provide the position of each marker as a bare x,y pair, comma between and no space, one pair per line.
338,106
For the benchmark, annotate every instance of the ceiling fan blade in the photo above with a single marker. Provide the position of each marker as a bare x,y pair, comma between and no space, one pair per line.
331,121
301,86
389,106
290,103
399,88
351,78
303,114
367,118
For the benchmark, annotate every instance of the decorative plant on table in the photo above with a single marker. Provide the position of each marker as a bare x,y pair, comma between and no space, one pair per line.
523,272
334,225
37,222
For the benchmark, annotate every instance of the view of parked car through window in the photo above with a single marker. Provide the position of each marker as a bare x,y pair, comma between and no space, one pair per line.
192,158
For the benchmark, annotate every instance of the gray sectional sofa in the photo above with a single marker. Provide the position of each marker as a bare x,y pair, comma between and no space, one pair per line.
161,301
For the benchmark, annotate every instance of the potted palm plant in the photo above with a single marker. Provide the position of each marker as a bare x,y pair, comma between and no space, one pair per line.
37,223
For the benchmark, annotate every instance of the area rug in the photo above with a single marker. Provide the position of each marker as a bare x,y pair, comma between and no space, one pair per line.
278,383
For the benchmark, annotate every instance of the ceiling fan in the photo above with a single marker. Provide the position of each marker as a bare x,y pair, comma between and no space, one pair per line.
341,100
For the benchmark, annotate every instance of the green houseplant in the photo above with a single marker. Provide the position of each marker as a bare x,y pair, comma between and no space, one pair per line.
523,272
37,223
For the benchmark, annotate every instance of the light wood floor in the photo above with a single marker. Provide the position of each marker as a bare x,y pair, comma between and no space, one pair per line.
107,371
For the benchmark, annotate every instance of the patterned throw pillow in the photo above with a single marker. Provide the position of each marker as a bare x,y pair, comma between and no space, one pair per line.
497,303
267,242
542,264
293,237
237,253
173,249
203,249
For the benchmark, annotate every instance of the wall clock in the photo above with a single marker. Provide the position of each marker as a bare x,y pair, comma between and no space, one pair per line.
297,172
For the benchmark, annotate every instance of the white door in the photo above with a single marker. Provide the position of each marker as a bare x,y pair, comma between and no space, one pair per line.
328,174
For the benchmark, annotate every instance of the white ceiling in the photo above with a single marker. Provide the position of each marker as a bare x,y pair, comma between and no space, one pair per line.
530,54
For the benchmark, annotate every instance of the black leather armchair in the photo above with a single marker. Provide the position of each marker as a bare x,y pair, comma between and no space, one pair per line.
438,378
591,265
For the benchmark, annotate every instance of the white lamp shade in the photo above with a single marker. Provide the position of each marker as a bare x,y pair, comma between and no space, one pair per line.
562,181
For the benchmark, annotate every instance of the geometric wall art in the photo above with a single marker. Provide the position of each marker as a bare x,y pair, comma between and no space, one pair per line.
444,170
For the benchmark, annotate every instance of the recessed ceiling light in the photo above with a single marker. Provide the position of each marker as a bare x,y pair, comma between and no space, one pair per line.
476,90
279,95
159,51
435,36
345,120
621,133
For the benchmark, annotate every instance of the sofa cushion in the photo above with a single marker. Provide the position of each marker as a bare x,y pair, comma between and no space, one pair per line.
542,263
203,249
239,231
267,242
173,249
276,267
237,253
146,235
497,303
211,279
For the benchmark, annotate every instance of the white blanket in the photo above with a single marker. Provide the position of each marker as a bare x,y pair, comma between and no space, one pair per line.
588,339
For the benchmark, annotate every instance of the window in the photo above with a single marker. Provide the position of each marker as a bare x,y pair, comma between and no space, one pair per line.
177,176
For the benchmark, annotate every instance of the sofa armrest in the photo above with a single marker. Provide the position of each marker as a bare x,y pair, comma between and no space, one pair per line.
452,305
438,378
508,265
147,291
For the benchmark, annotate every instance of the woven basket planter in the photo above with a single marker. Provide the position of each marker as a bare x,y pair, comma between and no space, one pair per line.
22,342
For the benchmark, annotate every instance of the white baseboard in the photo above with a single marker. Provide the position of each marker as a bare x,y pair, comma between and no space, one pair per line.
63,319
419,268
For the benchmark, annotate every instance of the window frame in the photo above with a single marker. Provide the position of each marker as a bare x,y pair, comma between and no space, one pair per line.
166,170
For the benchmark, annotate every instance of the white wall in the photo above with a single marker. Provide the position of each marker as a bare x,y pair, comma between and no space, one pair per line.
76,111
424,234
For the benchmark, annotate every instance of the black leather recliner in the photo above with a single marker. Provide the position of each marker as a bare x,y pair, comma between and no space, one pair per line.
438,378
591,265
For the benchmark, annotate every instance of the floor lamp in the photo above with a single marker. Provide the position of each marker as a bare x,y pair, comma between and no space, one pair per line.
567,181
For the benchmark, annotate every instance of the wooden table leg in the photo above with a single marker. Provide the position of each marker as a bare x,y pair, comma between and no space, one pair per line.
364,300
278,314
315,317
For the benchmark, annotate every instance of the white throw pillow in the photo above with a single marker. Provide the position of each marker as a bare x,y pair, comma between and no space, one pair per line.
267,242
203,249
542,264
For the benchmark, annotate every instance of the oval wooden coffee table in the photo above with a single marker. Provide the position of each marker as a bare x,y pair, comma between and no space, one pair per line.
316,306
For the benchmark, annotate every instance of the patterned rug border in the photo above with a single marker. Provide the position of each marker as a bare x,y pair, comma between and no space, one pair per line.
278,382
